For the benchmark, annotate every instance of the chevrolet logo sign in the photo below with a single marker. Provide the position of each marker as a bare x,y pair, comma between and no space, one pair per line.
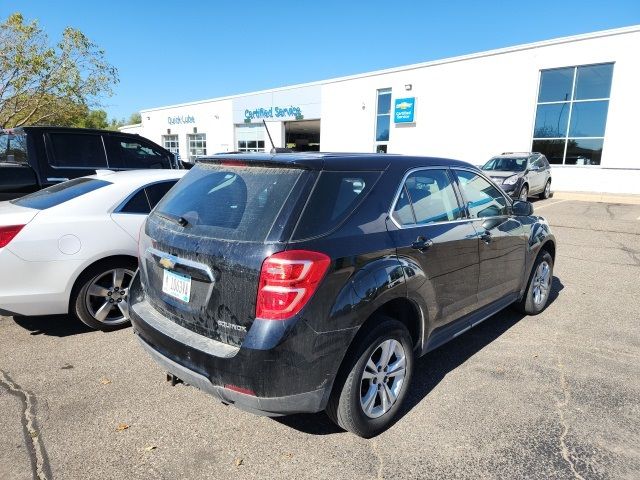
167,263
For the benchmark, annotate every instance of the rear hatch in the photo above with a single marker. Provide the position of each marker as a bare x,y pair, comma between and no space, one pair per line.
203,246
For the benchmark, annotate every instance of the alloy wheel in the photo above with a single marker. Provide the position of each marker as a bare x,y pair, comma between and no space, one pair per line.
547,190
107,296
541,283
524,194
382,378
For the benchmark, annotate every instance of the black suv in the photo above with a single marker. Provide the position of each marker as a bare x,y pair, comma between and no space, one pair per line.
521,175
294,283
32,158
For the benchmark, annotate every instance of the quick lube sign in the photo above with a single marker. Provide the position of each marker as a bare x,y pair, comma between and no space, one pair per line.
404,110
273,112
181,119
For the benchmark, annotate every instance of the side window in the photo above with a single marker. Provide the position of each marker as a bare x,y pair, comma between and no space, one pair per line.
333,199
136,154
537,163
137,204
403,212
483,199
431,195
77,150
156,191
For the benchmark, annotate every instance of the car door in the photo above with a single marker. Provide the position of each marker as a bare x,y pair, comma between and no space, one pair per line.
502,237
71,155
134,153
430,231
545,171
537,175
134,209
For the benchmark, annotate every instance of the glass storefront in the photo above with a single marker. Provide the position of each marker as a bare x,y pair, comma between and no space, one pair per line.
571,115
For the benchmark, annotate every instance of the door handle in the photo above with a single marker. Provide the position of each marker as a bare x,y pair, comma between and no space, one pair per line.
486,236
421,244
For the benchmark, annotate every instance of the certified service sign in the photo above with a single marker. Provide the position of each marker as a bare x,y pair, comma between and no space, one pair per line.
404,110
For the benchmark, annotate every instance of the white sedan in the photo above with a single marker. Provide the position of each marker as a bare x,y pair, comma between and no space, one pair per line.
72,247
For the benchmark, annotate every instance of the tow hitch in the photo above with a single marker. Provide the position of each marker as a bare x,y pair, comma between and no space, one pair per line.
173,380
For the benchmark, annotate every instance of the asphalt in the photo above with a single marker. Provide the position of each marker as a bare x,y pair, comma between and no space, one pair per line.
554,396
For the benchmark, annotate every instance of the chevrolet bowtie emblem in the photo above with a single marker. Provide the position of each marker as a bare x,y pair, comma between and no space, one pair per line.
167,263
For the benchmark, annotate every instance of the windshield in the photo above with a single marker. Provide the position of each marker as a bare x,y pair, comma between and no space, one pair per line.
60,193
13,148
506,164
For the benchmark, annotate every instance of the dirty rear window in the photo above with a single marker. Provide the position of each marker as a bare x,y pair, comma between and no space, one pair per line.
229,202
334,197
60,193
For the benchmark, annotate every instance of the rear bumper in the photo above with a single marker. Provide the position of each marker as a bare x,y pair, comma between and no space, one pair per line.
273,406
291,371
34,288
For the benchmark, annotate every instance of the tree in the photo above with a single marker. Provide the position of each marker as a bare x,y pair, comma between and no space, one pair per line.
92,119
135,118
40,83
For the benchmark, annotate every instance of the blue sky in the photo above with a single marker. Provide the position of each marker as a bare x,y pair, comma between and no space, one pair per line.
171,52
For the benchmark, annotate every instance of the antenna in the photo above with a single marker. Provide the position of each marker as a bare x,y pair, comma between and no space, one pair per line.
274,149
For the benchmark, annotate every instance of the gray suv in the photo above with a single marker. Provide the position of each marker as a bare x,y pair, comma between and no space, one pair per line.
521,175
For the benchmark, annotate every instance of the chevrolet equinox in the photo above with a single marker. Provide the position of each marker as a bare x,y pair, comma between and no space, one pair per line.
292,283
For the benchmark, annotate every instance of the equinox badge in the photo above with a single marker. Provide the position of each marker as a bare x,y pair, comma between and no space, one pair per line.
167,263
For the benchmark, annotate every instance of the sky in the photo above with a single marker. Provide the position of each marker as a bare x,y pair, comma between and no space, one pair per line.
169,52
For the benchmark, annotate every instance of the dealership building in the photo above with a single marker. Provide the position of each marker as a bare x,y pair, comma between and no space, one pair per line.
575,99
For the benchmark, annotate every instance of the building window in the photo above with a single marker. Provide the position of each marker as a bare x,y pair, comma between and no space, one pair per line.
170,142
197,145
250,138
571,114
383,119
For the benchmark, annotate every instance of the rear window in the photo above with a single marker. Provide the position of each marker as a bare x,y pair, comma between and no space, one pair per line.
229,202
57,194
334,197
13,148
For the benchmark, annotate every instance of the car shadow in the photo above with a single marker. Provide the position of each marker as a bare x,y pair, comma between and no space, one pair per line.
432,368
54,325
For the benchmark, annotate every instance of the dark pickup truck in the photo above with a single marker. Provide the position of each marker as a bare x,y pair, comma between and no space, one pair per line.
32,158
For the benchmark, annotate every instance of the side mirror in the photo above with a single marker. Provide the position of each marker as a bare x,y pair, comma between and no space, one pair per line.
522,209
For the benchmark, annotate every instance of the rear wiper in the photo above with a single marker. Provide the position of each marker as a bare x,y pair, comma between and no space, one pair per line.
183,222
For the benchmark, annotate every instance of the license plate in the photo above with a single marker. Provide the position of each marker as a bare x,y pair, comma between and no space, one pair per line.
176,285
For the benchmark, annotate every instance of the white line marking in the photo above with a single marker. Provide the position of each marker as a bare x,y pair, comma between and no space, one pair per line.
549,204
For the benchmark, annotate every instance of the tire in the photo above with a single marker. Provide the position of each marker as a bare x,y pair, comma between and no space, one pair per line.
345,407
97,299
524,193
536,297
546,193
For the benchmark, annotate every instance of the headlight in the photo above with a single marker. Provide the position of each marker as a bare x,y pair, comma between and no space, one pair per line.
511,180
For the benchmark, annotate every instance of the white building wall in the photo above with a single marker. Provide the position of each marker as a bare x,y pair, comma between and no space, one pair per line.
474,108
214,118
469,108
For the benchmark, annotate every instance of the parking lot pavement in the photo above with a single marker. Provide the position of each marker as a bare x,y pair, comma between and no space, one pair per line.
551,396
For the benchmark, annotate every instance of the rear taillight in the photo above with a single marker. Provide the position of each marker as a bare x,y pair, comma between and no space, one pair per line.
8,233
287,282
